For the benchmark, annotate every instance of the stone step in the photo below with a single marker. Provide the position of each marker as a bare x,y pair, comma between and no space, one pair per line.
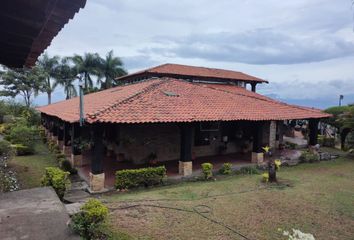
73,208
74,196
82,185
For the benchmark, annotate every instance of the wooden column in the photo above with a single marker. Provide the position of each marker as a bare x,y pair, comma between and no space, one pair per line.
75,135
257,152
185,163
67,136
258,137
98,149
253,87
97,176
60,131
66,139
313,131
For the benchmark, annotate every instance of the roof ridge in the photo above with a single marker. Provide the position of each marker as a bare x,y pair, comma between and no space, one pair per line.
148,88
265,98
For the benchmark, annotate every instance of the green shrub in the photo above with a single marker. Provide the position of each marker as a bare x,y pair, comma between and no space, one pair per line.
308,157
207,170
6,150
248,170
21,134
226,169
87,222
56,178
22,150
131,178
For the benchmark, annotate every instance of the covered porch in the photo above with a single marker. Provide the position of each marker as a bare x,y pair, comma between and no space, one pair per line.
110,166
180,147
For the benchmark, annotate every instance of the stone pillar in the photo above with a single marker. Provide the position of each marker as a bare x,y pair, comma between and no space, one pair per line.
257,152
185,164
97,176
313,131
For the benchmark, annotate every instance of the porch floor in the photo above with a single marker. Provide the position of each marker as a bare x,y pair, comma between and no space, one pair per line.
110,166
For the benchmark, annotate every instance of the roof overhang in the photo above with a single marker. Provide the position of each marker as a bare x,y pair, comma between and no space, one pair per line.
28,27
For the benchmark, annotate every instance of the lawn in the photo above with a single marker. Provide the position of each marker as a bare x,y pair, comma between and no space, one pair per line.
316,198
30,169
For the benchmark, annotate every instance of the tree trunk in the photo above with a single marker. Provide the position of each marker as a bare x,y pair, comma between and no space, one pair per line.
272,172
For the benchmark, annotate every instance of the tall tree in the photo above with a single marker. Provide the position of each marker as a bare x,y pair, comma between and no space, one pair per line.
111,68
342,119
87,65
22,82
49,65
66,75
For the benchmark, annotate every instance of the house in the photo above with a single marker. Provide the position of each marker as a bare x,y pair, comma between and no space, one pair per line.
174,115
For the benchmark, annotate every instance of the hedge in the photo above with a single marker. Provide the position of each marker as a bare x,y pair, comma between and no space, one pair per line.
132,178
56,178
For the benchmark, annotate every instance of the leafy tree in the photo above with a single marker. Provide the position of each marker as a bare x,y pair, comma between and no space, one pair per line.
87,65
342,119
111,68
22,82
48,65
66,75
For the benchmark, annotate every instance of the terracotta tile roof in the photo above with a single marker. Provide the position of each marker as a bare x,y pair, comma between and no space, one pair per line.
172,100
184,71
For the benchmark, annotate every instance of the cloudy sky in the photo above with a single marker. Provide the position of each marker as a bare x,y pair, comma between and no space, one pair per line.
304,48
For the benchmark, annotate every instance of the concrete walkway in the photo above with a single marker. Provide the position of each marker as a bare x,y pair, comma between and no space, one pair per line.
33,214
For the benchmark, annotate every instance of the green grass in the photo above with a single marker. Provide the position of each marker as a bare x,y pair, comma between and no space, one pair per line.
30,169
317,198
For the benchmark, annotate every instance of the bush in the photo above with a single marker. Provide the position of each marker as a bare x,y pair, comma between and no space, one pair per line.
21,134
87,222
22,150
226,169
6,149
131,178
265,177
308,157
207,170
56,178
248,170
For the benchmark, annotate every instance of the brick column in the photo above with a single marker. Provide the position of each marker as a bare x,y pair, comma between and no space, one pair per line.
185,164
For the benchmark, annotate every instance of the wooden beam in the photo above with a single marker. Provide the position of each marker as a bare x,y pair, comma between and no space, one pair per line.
313,131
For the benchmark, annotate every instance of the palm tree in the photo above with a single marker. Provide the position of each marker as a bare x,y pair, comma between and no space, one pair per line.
87,65
48,65
111,68
66,75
